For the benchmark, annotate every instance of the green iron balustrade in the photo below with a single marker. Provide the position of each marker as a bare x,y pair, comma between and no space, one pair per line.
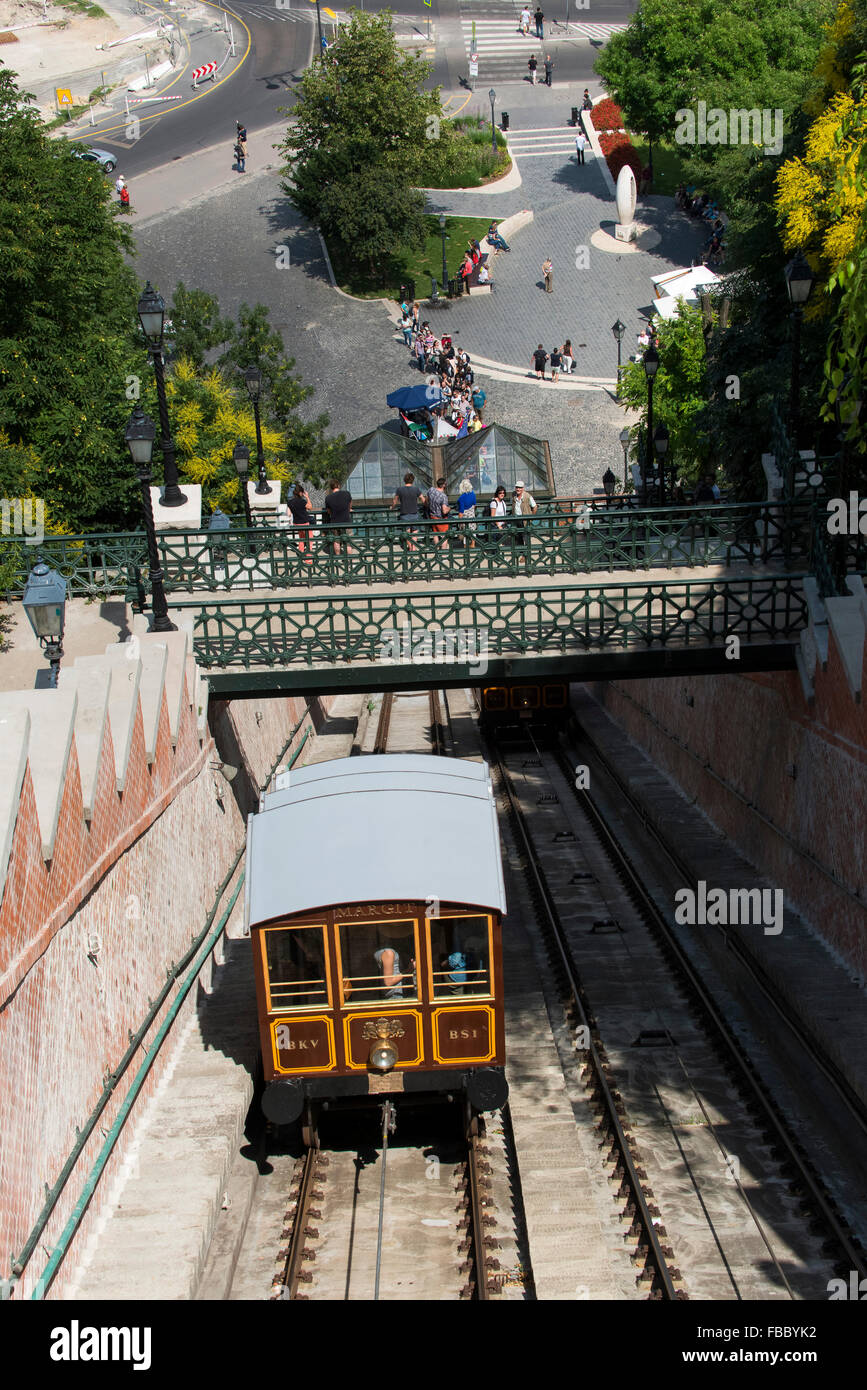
308,631
772,534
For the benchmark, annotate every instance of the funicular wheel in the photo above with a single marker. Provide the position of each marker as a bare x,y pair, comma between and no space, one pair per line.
310,1125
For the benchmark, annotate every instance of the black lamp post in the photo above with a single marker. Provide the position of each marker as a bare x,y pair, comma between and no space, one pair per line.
140,434
651,367
609,483
319,24
799,284
241,460
253,382
492,97
660,445
45,606
152,317
624,444
442,220
618,329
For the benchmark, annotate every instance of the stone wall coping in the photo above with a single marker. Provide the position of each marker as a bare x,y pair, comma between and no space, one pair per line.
48,745
91,685
14,743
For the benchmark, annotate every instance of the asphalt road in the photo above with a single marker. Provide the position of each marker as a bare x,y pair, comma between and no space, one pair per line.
282,38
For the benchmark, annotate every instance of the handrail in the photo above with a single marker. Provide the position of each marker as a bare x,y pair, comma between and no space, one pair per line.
20,1263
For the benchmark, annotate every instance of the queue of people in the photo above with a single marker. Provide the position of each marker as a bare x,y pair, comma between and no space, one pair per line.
458,400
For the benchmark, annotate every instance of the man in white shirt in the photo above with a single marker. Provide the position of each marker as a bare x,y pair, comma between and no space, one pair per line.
580,145
525,20
523,505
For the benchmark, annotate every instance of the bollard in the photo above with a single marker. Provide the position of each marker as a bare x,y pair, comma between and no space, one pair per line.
574,115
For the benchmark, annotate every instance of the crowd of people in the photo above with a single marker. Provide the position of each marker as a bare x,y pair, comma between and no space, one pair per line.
415,504
454,395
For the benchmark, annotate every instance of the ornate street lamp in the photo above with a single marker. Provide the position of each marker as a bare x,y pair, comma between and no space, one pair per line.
799,284
624,444
651,367
442,222
241,460
609,483
140,434
660,446
618,329
152,317
45,606
492,97
253,382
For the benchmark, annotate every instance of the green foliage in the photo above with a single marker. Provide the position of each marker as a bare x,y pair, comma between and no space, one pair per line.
462,157
369,213
67,316
679,392
197,327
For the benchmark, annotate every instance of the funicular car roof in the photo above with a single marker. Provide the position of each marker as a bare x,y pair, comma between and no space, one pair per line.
400,827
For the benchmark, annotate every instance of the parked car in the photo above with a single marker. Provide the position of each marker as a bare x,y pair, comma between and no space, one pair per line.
104,158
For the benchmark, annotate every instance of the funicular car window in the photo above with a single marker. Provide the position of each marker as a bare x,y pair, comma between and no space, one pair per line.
460,956
295,967
378,961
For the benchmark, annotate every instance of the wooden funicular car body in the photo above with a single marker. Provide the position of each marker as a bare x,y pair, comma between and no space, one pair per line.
374,901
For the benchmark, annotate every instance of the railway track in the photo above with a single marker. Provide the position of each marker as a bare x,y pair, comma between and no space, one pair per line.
696,1141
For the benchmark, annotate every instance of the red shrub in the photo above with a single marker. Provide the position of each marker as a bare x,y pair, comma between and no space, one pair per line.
611,140
606,115
625,154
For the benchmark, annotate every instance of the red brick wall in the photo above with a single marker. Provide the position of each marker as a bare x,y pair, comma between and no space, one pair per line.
730,751
132,889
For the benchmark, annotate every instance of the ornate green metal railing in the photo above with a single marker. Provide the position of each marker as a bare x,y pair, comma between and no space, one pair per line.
398,628
576,542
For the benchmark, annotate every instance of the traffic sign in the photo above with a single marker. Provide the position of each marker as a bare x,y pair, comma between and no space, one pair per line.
206,70
474,65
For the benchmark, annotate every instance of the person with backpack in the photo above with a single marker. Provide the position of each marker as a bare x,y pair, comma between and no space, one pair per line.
555,364
241,150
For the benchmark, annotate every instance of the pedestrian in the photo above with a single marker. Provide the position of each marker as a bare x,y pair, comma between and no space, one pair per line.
479,399
523,505
466,271
124,199
548,272
549,69
539,358
568,357
438,510
406,329
241,130
498,510
409,499
416,314
119,184
336,511
556,359
539,18
467,510
586,104
495,240
420,351
241,155
532,65
302,516
525,20
580,145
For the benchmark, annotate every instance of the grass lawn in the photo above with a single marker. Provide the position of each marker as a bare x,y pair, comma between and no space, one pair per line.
668,165
416,265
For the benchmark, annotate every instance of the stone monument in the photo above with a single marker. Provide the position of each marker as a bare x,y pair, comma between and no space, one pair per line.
626,195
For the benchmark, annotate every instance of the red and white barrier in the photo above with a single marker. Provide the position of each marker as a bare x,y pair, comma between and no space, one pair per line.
207,70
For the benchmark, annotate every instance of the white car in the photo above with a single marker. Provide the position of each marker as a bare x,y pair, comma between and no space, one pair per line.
104,158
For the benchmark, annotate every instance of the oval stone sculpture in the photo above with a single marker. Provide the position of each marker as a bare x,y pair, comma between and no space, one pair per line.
626,195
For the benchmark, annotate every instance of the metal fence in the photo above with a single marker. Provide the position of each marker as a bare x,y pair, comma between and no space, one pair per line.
569,542
557,619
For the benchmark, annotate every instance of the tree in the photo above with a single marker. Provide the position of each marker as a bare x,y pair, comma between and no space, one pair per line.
679,391
197,327
369,215
359,133
67,316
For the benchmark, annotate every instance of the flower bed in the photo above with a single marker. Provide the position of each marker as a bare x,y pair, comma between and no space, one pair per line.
607,115
618,149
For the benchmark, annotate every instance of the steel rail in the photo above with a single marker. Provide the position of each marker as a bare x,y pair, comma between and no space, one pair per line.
658,923
292,1269
556,934
380,742
482,1286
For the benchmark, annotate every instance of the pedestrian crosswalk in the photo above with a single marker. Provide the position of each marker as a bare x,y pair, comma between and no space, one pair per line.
503,49
276,13
548,140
